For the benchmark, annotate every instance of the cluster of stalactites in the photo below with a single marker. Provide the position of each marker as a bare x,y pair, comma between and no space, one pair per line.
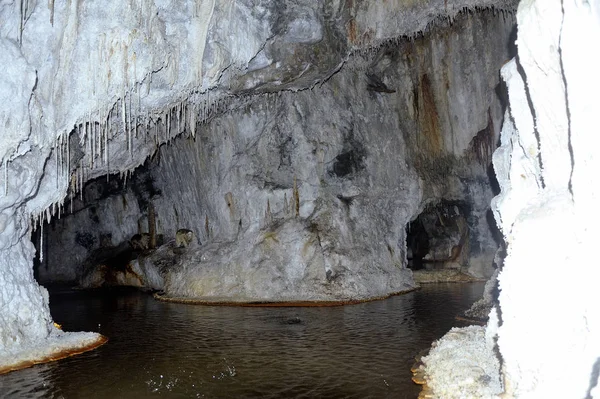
369,51
123,121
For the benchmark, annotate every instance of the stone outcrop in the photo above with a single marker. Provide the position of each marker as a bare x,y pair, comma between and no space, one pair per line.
546,166
91,89
307,195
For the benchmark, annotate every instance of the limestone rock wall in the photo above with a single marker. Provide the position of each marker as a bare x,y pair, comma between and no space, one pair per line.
546,168
548,323
399,127
93,88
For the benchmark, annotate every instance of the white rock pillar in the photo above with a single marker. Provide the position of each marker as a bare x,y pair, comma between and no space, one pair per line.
550,333
24,314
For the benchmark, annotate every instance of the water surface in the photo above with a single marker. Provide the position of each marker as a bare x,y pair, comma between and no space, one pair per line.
159,349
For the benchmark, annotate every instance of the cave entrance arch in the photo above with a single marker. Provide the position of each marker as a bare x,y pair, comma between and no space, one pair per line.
438,237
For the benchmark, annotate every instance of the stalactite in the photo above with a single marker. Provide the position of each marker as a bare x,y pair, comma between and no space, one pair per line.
106,144
41,242
82,180
167,126
68,154
129,129
136,89
124,120
177,114
194,121
55,149
92,140
58,159
71,190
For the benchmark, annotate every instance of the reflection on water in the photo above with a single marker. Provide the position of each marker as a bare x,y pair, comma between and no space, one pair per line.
174,350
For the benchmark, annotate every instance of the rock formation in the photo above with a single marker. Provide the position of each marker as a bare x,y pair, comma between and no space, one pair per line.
298,140
546,168
356,163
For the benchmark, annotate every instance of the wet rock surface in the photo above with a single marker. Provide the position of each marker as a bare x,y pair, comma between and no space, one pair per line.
307,195
95,89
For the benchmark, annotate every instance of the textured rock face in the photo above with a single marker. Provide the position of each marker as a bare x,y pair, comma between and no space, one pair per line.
546,167
93,88
397,128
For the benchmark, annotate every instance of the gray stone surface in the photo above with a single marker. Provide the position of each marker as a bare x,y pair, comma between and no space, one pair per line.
391,133
92,88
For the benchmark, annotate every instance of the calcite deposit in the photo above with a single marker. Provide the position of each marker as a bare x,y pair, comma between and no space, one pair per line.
298,140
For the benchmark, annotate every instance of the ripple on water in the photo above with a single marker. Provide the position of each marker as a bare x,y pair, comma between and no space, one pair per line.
173,350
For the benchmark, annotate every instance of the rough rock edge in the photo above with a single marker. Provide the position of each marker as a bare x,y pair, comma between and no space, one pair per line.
462,364
444,276
59,346
213,301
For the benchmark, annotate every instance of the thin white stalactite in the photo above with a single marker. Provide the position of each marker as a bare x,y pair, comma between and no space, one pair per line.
41,241
68,154
137,111
81,182
75,180
156,133
178,117
193,116
130,129
106,143
71,194
97,137
105,125
123,120
167,126
92,140
147,127
60,152
56,157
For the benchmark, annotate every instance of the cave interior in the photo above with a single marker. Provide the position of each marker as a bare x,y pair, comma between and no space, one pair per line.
300,152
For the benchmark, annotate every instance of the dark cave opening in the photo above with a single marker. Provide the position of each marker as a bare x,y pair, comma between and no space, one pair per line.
417,243
438,238
100,241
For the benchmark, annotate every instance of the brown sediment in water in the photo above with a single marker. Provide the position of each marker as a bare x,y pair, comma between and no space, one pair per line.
418,370
58,355
213,301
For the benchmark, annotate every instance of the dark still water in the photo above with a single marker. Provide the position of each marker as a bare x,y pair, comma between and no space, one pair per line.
159,349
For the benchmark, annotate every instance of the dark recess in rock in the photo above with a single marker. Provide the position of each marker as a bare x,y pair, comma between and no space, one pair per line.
92,212
86,240
351,160
439,227
143,186
374,83
345,200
